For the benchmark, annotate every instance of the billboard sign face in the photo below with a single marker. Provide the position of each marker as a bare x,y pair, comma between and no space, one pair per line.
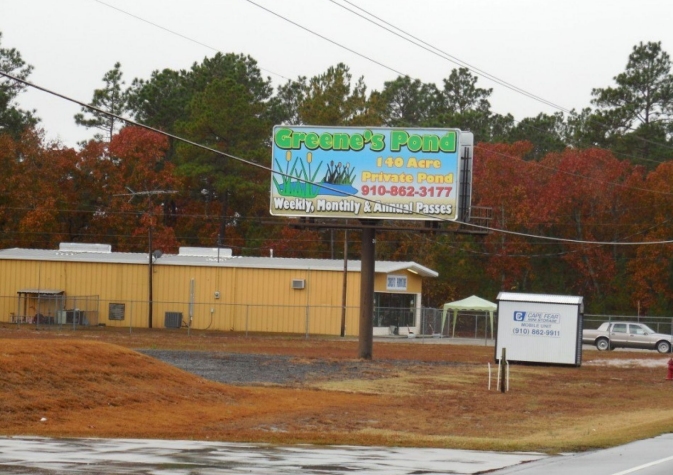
366,173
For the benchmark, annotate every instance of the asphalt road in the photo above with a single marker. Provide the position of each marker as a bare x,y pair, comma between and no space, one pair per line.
644,457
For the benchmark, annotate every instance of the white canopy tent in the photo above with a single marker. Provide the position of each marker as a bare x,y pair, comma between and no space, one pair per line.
472,303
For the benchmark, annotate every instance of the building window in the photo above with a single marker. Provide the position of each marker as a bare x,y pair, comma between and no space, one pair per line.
396,282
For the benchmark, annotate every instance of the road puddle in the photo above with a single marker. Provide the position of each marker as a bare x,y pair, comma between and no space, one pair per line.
43,456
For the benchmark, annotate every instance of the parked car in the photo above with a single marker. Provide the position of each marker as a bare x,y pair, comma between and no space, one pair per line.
611,335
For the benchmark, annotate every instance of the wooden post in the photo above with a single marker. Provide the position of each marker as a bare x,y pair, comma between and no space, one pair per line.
503,371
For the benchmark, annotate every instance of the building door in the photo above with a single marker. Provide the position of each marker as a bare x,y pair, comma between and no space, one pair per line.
394,310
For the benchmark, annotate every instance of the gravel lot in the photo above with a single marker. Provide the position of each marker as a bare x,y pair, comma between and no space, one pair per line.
246,369
251,369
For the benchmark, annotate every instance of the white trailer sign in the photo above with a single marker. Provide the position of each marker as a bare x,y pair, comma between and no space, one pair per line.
540,328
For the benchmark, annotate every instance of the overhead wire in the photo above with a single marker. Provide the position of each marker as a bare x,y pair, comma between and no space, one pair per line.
300,250
537,255
577,175
437,51
173,32
457,61
447,56
476,70
326,39
263,167
217,217
444,55
454,60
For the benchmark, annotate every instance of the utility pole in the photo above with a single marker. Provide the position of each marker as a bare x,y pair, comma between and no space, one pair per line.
367,289
223,219
151,273
152,254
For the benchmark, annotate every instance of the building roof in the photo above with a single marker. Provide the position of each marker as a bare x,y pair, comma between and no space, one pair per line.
540,298
202,257
41,291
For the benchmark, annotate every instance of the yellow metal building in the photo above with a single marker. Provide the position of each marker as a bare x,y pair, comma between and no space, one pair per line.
202,288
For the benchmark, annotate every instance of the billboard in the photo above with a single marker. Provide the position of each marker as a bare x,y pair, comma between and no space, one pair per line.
367,172
540,328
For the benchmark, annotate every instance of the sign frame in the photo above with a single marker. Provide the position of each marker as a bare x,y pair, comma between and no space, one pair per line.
367,172
540,328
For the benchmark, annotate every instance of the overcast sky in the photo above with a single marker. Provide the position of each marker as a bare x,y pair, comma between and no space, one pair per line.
557,50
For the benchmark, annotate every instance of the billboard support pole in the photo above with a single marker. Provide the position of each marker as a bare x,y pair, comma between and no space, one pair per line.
366,333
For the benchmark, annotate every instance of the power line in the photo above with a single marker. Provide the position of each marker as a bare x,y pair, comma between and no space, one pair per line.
447,57
476,70
312,252
260,166
279,221
443,55
177,34
326,39
538,164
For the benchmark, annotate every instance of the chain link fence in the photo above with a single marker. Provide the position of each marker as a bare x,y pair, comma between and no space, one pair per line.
73,312
659,324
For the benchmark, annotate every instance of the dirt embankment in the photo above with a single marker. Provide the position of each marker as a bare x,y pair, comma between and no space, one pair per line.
289,390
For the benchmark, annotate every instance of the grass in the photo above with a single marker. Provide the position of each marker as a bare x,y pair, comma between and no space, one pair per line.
91,383
295,182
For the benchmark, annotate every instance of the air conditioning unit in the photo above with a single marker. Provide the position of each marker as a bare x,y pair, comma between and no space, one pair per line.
298,284
173,320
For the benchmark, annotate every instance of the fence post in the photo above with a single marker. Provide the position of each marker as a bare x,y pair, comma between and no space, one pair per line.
74,313
247,310
307,320
422,325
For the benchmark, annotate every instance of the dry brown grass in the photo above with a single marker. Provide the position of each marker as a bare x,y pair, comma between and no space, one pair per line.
92,384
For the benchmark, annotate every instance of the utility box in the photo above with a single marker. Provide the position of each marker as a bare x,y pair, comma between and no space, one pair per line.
173,320
540,328
61,317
